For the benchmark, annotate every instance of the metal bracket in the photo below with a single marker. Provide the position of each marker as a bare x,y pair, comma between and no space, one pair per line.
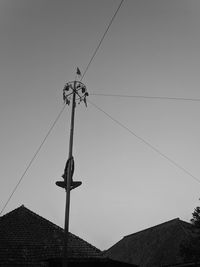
73,185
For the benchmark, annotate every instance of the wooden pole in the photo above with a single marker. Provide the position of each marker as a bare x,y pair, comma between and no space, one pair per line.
69,178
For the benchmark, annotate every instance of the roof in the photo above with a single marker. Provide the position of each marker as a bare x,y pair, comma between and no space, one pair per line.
27,238
188,264
155,246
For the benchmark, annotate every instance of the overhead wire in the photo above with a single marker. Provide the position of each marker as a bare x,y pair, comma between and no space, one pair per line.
33,158
148,97
102,38
145,142
59,114
113,119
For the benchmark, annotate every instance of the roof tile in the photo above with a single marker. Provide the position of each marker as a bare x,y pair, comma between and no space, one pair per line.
27,238
154,246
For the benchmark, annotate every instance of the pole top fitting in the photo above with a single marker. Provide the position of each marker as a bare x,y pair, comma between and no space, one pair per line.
77,88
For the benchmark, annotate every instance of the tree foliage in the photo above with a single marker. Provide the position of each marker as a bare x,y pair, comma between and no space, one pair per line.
196,218
190,249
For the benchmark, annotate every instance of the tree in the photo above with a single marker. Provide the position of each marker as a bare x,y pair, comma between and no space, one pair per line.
190,249
196,218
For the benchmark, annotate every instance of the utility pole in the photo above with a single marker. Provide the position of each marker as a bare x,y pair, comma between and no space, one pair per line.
77,91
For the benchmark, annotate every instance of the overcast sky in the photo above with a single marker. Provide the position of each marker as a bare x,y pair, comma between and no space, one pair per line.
151,49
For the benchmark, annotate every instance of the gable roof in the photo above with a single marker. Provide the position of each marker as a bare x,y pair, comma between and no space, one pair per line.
155,246
27,238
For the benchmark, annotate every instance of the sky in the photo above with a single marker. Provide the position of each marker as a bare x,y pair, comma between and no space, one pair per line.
151,49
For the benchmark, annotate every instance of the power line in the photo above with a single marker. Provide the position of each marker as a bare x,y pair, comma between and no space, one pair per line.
149,97
59,114
102,38
146,143
33,158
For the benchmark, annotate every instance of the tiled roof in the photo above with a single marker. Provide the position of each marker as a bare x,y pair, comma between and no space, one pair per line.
155,246
27,238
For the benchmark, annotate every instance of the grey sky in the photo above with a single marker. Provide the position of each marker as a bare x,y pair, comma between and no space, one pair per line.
151,49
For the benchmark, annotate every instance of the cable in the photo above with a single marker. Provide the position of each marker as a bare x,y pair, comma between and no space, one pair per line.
33,158
102,38
146,143
58,116
149,97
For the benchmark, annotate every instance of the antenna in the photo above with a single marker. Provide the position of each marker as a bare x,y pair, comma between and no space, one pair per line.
74,91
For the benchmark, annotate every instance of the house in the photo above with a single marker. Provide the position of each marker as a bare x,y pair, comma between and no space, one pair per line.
27,239
155,246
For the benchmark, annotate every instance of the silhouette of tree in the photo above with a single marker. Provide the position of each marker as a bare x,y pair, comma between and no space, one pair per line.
190,249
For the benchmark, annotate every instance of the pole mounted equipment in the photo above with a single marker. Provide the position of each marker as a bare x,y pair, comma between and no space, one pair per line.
80,92
73,92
